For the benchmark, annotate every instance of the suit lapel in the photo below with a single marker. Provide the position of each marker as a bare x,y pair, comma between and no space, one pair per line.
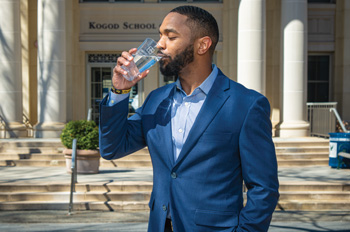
164,119
213,103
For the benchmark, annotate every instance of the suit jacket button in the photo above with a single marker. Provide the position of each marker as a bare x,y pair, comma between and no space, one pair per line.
173,175
164,207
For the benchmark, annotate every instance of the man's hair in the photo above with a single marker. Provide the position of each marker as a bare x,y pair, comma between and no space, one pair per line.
201,23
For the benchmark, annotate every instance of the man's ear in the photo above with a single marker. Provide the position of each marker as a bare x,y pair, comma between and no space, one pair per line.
204,44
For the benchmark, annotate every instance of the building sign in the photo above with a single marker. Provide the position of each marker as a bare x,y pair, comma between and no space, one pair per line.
122,26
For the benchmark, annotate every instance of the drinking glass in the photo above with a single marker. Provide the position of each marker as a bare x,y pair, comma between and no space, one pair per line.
144,58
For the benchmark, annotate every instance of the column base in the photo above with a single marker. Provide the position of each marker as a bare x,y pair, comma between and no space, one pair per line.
48,129
13,130
293,129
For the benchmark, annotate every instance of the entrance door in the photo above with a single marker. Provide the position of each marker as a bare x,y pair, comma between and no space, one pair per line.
99,74
318,87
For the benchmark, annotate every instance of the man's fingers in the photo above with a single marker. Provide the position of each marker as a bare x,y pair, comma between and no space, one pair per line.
121,61
141,76
118,69
133,50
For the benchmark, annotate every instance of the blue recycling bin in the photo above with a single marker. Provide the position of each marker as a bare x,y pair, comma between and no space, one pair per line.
339,142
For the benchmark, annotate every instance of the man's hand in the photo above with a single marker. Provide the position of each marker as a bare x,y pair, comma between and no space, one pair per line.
118,81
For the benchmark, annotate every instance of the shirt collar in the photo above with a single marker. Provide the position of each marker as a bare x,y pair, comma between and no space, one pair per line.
207,83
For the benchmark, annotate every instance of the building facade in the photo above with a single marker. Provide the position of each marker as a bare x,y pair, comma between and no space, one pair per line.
57,56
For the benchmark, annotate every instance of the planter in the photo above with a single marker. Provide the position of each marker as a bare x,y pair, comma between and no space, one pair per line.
88,161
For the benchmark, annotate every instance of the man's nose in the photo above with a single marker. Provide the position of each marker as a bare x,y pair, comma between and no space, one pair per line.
161,44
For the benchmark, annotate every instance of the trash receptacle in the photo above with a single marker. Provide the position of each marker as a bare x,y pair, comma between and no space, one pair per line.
339,142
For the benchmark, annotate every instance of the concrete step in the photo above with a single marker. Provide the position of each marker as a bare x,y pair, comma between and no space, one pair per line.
300,142
33,163
303,162
77,196
59,162
314,205
314,187
82,205
300,205
136,157
135,164
62,163
122,186
306,156
32,143
32,156
140,186
126,163
318,149
145,196
31,150
311,196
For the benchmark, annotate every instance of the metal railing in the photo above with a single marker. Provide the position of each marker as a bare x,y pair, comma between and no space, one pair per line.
2,127
321,119
29,126
74,175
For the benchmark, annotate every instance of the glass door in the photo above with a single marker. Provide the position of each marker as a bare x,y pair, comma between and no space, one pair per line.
99,75
100,84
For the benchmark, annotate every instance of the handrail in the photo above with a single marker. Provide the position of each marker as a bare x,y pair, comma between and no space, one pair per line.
89,116
74,175
2,127
28,125
339,119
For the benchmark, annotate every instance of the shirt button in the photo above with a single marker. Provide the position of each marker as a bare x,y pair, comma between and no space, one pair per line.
112,101
173,175
164,207
187,104
180,130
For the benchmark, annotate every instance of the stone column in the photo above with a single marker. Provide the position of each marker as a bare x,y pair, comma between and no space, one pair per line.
346,68
294,62
11,108
252,44
229,34
51,68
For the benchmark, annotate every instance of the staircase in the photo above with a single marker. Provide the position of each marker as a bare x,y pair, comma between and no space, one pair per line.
298,152
126,196
132,195
42,153
48,152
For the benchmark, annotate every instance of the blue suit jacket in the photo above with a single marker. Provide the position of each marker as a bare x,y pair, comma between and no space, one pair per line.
229,142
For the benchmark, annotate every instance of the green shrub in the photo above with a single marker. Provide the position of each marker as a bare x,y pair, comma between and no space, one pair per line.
86,133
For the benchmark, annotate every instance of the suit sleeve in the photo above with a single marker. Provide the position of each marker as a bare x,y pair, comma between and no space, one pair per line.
259,168
118,135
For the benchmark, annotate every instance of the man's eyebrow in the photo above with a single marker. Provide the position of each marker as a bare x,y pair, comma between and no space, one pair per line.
167,31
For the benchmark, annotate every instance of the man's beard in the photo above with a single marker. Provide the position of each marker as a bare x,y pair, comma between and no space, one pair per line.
180,61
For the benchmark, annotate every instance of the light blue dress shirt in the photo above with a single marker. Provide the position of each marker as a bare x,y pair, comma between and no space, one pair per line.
184,111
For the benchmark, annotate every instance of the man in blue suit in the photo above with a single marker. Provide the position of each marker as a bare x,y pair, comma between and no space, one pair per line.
206,134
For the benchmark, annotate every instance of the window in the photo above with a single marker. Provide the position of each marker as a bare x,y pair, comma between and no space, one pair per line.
321,1
105,1
318,78
190,1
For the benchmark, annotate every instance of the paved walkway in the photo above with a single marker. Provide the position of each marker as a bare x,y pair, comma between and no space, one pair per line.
11,221
59,174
